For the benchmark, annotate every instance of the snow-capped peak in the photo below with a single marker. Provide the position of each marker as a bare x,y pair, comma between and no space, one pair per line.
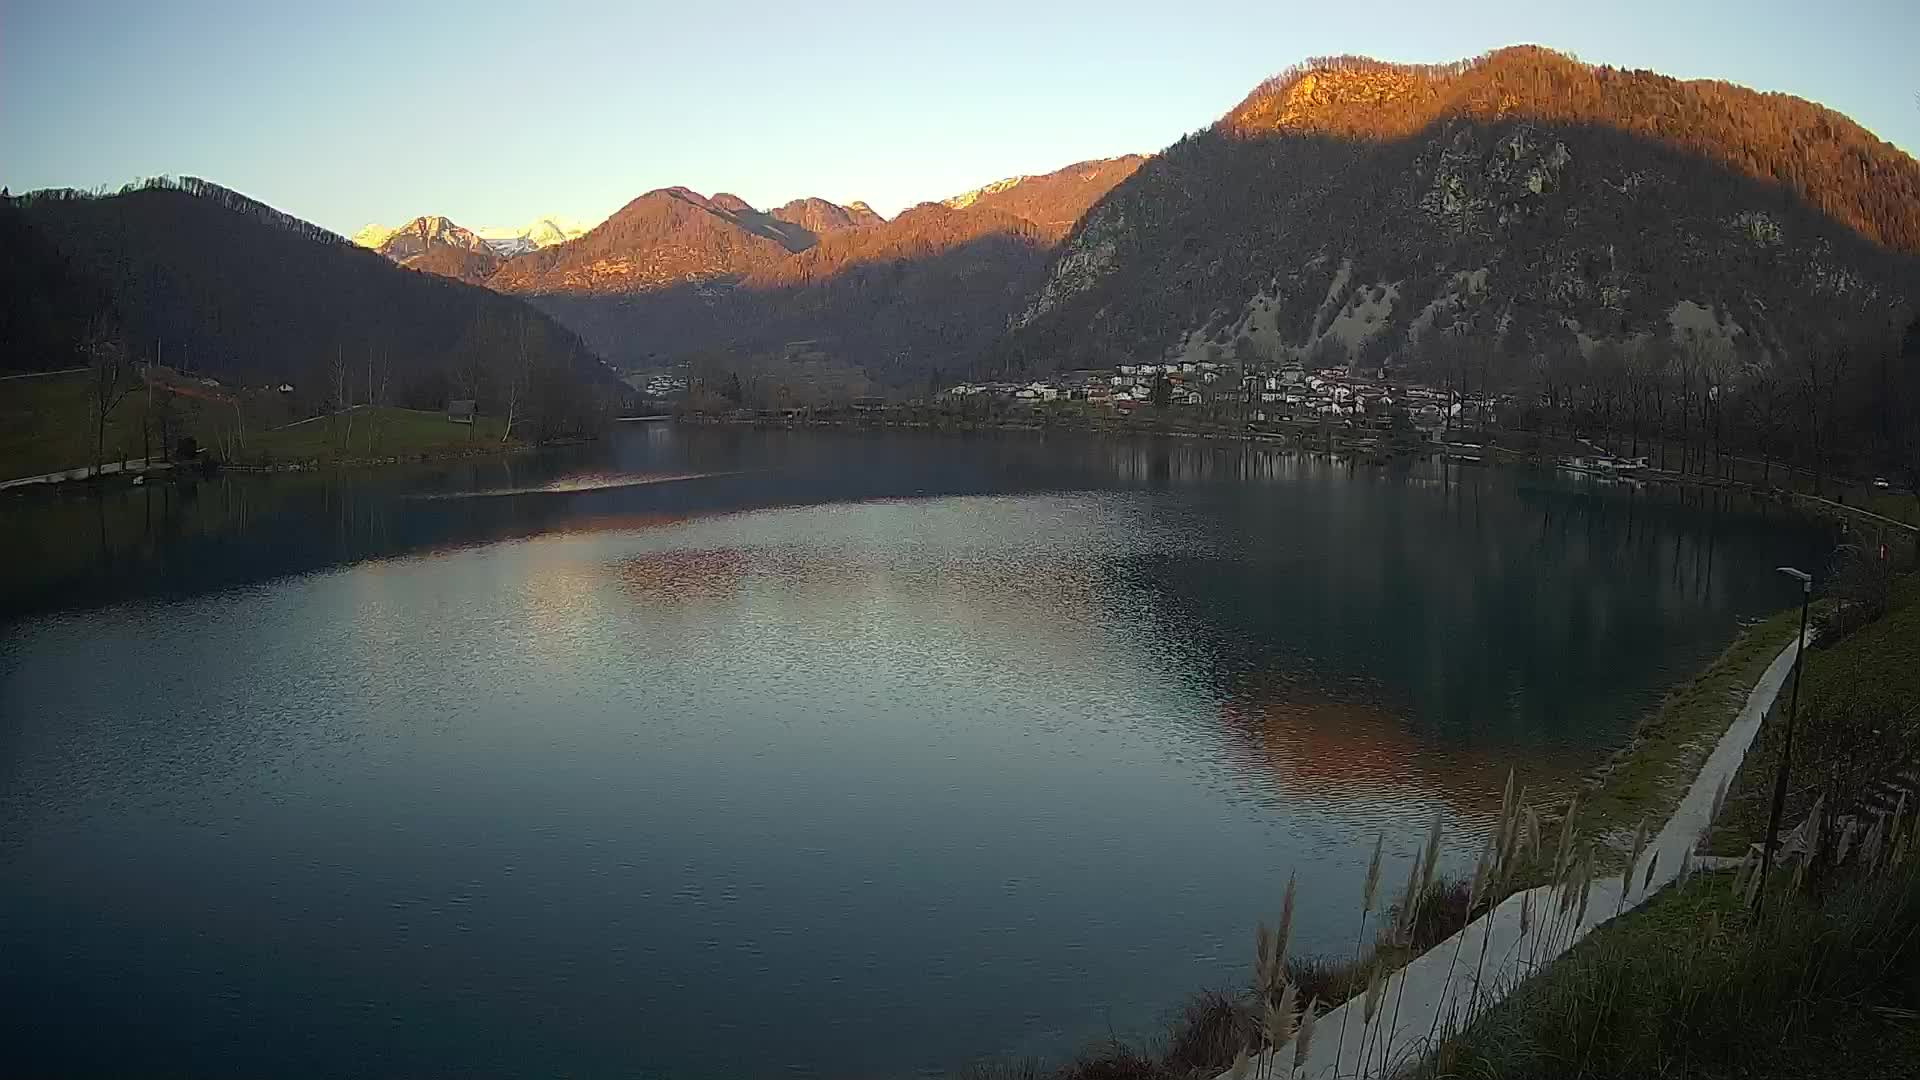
966,199
508,240
373,235
539,233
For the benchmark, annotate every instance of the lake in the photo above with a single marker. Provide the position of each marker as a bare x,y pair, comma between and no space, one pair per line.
707,751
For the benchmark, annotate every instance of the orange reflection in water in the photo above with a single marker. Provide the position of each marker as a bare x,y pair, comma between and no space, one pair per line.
1341,752
981,594
683,576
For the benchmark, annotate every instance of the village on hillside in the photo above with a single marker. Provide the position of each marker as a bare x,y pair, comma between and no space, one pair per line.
1282,392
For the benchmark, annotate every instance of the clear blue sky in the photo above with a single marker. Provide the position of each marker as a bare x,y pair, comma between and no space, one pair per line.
493,113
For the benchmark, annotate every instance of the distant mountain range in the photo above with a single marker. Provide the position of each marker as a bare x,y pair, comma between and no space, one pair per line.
674,270
1520,213
1518,205
662,237
503,241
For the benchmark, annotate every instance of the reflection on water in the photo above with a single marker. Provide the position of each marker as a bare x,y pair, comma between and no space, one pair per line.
572,484
839,754
1363,760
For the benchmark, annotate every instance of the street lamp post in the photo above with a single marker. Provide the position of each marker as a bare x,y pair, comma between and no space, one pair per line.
1786,750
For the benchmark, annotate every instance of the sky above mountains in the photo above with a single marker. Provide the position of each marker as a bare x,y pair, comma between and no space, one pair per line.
352,112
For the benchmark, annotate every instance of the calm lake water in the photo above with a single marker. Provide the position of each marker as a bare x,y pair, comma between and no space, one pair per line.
711,751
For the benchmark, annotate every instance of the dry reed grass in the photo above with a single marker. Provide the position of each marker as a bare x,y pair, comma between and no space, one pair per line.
1697,986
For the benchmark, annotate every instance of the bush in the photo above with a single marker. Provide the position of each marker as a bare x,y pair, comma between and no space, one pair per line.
1861,585
1211,1029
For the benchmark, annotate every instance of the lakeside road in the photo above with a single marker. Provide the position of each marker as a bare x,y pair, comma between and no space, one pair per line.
87,472
1859,512
42,374
1432,993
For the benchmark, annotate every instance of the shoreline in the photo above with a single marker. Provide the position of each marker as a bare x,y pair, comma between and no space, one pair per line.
114,472
1439,993
1695,742
1376,446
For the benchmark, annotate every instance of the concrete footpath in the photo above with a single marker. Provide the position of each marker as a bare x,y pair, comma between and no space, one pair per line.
1432,986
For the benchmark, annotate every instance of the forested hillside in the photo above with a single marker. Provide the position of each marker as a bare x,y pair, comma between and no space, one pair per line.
460,264
1054,201
662,238
819,217
1381,213
1828,160
674,272
1625,245
930,289
45,307
215,283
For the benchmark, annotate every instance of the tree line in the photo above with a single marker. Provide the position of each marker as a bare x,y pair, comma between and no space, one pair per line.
222,285
1822,156
1843,408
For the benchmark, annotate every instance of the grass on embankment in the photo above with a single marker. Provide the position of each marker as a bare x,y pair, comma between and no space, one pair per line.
1881,658
1827,985
1687,986
371,433
1646,779
1900,506
46,425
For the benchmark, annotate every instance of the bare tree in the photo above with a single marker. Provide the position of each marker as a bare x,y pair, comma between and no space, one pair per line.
377,377
1657,372
1706,359
342,392
109,380
515,373
1766,408
1822,370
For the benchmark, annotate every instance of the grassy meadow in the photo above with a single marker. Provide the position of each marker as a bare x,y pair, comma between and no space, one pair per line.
46,425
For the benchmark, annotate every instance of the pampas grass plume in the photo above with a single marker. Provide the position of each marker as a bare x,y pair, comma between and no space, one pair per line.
1373,876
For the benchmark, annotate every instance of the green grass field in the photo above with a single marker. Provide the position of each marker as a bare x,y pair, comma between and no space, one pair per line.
1688,987
370,433
1899,506
46,426
1884,654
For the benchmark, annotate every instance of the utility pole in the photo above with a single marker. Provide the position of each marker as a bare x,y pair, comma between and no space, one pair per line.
1786,751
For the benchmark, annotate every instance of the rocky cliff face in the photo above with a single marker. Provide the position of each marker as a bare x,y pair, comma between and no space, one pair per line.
819,217
1518,207
423,234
